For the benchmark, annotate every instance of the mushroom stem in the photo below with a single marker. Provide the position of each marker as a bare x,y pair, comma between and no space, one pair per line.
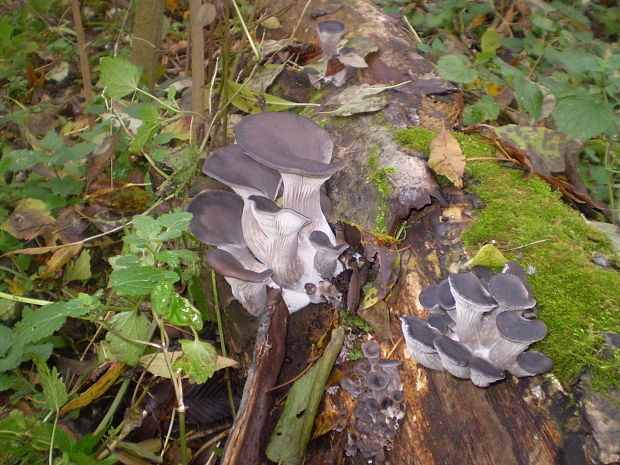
504,351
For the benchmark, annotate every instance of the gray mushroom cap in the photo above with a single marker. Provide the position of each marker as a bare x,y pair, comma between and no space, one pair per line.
387,363
377,380
231,166
508,290
371,349
483,273
516,269
444,293
429,298
439,322
486,369
330,27
515,328
534,363
217,218
227,265
418,332
469,288
457,352
287,142
320,240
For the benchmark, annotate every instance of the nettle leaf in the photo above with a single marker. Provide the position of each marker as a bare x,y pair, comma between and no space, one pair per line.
174,223
147,227
173,258
529,96
176,309
23,159
54,389
583,116
65,186
121,262
483,110
139,280
43,322
119,76
6,339
456,68
133,326
199,360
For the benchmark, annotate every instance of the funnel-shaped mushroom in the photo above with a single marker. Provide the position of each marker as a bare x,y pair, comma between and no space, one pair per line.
517,333
429,299
531,363
301,151
454,356
330,32
247,286
472,300
326,256
483,373
419,339
281,227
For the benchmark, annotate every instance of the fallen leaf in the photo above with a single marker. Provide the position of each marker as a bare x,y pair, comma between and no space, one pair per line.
489,256
363,98
97,389
60,258
326,422
446,157
79,269
156,363
352,59
30,219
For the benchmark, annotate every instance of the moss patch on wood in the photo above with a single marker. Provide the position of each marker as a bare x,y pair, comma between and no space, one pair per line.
578,300
378,177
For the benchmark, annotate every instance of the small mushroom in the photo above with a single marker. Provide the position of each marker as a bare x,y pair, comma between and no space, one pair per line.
247,286
531,363
472,301
377,380
217,218
352,387
454,356
330,32
419,339
326,256
429,299
517,333
371,349
483,373
439,322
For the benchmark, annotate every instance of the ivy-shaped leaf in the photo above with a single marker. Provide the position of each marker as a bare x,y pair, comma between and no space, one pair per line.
199,360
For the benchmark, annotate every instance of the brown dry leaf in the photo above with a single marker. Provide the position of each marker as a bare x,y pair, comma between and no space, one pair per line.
95,391
60,258
326,422
30,219
446,157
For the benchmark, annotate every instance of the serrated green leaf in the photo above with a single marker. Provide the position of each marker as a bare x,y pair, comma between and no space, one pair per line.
199,360
6,339
65,186
175,224
583,116
121,262
456,68
483,110
529,96
139,280
119,76
44,321
54,389
23,159
173,258
147,227
133,326
176,309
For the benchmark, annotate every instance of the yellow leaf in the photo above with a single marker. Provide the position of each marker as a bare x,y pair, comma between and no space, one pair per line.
97,389
156,363
446,157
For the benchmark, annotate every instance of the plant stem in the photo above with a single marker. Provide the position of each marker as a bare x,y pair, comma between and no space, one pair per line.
113,407
24,300
220,329
247,33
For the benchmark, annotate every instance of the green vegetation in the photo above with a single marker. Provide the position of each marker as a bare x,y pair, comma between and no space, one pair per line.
577,299
378,177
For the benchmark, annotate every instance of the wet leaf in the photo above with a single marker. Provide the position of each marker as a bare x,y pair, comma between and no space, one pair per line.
289,440
199,360
489,256
176,309
30,219
97,389
156,363
446,157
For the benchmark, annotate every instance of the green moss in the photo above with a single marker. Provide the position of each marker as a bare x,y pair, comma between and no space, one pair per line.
577,299
378,177
317,95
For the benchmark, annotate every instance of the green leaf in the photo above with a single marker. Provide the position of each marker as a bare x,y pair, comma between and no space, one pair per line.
490,41
122,262
173,258
529,96
65,186
290,438
79,269
456,68
484,109
147,227
134,326
38,324
54,390
488,255
575,61
6,339
174,223
199,360
139,280
583,116
119,76
176,309
23,159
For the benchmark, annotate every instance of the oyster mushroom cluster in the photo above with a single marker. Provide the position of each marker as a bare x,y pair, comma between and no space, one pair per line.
380,409
271,231
479,328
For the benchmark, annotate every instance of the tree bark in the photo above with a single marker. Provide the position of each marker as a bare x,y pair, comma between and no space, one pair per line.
147,36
